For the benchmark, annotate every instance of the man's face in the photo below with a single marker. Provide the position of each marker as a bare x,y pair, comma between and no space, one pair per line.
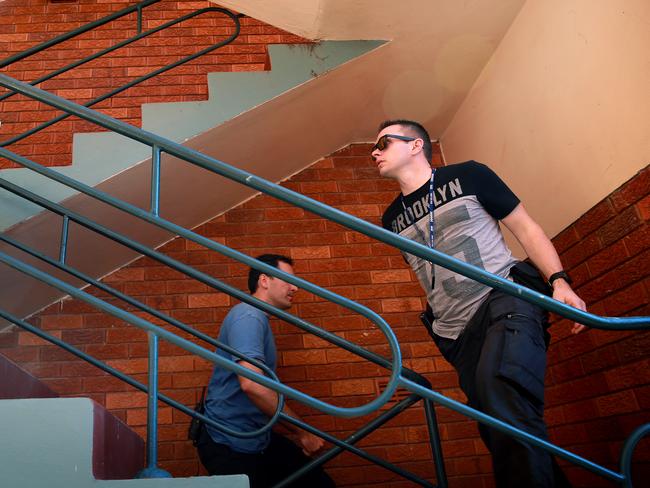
280,293
395,155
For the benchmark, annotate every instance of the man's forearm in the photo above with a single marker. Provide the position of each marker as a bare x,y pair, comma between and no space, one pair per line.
265,398
541,251
534,240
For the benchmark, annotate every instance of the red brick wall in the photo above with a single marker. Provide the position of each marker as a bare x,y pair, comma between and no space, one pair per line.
599,381
24,24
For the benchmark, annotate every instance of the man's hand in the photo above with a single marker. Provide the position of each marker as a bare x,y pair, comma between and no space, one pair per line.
310,443
563,292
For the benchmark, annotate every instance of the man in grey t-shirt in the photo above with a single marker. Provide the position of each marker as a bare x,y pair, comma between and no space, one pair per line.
495,342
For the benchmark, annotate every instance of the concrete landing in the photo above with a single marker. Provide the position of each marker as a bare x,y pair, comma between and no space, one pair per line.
49,443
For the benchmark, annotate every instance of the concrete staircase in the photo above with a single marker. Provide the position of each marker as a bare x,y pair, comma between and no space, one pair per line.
225,126
60,443
97,156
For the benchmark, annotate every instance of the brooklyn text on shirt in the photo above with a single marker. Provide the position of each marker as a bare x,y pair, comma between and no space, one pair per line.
420,208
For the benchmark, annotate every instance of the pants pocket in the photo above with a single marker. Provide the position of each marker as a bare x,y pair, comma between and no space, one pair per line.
524,356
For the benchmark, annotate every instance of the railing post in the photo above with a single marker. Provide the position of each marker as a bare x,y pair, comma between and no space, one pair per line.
155,180
63,247
434,440
152,470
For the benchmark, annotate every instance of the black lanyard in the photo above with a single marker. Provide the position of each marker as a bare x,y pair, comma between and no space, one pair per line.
431,220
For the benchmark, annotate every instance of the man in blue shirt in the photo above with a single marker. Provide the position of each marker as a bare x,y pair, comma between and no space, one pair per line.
244,405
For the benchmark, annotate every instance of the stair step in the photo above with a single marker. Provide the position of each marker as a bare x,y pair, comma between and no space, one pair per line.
51,442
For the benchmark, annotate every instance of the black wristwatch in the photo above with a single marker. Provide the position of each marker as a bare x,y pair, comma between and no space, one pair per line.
560,274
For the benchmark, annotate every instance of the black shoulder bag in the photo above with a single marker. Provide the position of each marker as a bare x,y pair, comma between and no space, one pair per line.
196,425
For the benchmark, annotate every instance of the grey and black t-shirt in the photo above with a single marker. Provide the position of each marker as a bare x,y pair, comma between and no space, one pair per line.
469,200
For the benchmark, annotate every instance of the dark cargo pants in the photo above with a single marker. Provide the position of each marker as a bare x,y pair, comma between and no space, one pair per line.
500,359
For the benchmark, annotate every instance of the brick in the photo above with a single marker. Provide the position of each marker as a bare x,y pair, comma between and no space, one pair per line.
197,316
313,252
350,278
101,384
635,269
324,238
144,288
138,416
643,397
292,213
208,300
634,347
83,336
187,380
628,376
330,264
173,302
176,364
126,334
643,207
392,276
631,191
185,286
594,218
160,273
28,339
599,359
607,258
582,250
129,366
296,358
375,291
351,250
56,322
620,226
402,305
318,309
66,386
617,403
626,300
126,400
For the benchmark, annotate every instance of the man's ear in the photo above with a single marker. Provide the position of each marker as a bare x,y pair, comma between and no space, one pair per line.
418,145
263,281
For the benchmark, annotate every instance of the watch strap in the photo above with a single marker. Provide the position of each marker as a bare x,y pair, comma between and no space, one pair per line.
560,274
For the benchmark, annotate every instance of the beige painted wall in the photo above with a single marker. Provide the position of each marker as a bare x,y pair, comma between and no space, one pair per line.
562,110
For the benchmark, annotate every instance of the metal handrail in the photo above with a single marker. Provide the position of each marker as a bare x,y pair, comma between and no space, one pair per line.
159,144
132,83
166,318
395,362
68,215
85,28
347,444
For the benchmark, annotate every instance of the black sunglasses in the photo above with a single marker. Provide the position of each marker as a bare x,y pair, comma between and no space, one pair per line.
382,143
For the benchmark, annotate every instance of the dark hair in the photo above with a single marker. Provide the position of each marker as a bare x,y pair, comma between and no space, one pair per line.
416,130
271,259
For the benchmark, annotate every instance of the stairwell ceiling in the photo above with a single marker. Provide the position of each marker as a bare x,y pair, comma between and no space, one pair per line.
436,51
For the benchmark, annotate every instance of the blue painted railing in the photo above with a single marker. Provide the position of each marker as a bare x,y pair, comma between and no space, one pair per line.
397,378
139,10
70,216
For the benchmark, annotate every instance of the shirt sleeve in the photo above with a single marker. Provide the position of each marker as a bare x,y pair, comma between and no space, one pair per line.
246,335
495,196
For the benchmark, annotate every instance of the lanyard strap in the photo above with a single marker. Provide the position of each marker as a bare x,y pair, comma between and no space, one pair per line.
431,220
